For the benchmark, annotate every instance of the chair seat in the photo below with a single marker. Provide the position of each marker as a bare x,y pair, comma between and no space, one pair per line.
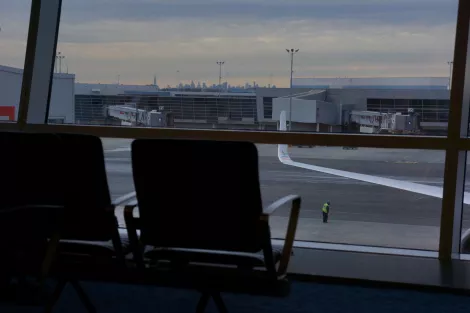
94,248
181,255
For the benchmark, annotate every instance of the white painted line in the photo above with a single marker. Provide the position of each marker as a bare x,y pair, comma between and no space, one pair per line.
118,150
428,190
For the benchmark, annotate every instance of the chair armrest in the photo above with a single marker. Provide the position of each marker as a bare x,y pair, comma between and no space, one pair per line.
278,203
129,218
291,230
124,199
132,224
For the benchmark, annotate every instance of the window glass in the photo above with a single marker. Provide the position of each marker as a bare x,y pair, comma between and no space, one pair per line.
231,70
217,65
365,210
14,22
465,230
361,212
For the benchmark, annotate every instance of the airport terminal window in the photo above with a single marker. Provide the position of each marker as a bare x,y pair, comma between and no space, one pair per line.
95,108
173,105
268,107
211,109
387,103
360,203
429,104
417,105
187,108
443,116
430,110
363,214
373,101
443,104
200,109
402,105
223,108
92,109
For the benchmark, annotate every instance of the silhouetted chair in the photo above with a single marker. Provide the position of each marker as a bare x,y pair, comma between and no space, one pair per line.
91,240
201,221
31,208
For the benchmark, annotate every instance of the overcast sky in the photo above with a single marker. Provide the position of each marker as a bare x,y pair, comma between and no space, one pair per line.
137,39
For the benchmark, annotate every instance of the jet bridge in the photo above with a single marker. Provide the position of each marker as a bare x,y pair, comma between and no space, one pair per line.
130,115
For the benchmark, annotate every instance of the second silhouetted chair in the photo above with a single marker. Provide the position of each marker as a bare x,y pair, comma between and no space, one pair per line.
202,221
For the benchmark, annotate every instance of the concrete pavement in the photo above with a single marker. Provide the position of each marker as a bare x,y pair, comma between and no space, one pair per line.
362,213
387,235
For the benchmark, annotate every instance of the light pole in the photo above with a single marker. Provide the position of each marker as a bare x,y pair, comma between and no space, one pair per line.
220,63
291,53
178,80
450,63
59,57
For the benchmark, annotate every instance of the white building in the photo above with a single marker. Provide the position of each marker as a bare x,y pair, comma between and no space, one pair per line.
373,83
62,104
308,112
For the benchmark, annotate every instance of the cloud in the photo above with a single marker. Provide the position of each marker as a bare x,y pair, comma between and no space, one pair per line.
367,11
136,39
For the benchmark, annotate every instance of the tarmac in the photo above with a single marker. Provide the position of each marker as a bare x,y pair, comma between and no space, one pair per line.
361,213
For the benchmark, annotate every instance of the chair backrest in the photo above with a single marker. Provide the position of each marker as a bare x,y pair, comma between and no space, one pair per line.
29,166
89,214
29,177
198,194
60,169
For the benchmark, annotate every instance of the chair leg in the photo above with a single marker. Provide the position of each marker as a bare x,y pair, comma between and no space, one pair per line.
83,296
202,304
203,301
55,296
219,302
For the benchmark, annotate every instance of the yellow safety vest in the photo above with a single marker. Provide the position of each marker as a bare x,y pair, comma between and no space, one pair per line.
325,208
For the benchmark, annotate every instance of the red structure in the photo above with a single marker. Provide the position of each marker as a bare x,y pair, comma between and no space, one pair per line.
7,113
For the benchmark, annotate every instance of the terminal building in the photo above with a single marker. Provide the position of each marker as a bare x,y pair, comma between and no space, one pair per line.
431,105
426,83
318,104
62,104
188,109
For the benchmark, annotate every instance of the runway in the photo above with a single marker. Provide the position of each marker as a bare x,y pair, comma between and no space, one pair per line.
352,201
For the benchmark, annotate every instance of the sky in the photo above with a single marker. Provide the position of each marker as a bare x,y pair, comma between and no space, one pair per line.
181,40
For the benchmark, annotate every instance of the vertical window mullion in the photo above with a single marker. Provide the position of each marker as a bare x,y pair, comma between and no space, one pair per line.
39,62
455,161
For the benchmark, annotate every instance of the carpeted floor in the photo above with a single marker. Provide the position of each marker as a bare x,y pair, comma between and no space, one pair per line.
305,297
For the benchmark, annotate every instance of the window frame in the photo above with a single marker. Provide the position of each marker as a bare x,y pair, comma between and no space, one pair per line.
36,91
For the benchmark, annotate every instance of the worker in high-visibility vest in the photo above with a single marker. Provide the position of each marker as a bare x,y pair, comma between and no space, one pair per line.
325,211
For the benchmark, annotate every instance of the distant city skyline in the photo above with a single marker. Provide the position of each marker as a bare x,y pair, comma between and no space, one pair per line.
181,38
224,86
